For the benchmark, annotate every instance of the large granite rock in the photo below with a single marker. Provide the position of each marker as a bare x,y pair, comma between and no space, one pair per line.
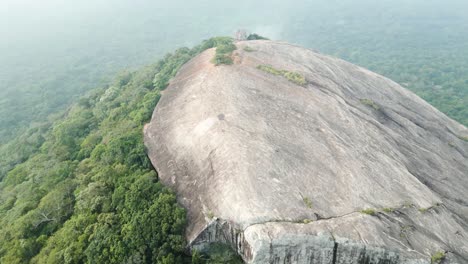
281,172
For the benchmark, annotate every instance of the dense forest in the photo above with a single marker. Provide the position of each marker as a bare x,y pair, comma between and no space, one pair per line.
82,190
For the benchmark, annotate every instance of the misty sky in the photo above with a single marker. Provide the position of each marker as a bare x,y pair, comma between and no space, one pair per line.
134,32
75,43
54,25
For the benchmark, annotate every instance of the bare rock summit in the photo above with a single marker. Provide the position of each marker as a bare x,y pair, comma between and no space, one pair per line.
291,156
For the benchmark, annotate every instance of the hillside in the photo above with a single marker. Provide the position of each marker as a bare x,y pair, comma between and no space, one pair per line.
82,190
291,156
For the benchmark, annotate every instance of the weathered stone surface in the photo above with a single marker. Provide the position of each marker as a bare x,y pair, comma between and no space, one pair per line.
281,171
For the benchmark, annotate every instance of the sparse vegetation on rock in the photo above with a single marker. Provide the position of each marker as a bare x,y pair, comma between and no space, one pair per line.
424,210
294,77
210,215
344,157
370,103
406,230
369,211
248,49
307,202
224,52
438,257
388,210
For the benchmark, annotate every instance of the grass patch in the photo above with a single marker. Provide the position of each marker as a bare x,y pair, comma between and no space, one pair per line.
437,257
370,103
307,202
369,211
464,138
270,69
294,77
224,53
226,60
249,49
388,210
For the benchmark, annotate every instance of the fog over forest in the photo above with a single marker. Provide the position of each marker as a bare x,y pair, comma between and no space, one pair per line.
53,51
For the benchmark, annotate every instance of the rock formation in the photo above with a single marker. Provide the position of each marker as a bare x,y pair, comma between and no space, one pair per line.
347,167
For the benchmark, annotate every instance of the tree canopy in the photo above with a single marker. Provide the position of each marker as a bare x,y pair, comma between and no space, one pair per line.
81,189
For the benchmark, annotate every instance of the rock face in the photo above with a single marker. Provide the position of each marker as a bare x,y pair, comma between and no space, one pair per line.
282,172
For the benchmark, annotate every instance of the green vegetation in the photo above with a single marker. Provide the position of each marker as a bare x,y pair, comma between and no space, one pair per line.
369,211
270,69
424,210
388,210
216,253
210,215
307,202
255,37
225,47
370,103
464,138
81,189
248,49
438,257
294,77
47,80
197,257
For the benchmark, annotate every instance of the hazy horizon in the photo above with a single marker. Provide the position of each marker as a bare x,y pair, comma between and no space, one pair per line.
83,43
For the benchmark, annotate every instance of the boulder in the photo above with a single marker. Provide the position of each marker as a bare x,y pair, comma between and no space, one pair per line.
346,167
